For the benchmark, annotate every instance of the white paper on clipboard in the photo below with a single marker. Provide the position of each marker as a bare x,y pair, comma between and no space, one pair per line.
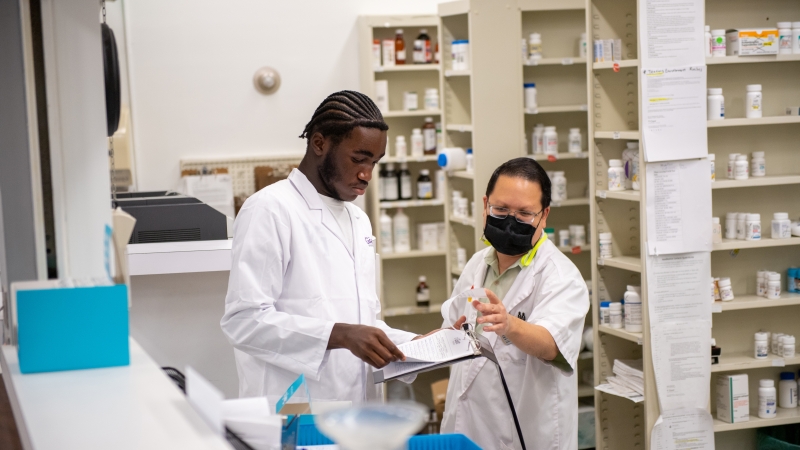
678,207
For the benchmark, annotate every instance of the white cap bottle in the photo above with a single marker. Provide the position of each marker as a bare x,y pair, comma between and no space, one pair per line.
753,101
616,175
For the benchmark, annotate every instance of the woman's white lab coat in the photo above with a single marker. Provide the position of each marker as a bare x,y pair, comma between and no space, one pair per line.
292,277
550,292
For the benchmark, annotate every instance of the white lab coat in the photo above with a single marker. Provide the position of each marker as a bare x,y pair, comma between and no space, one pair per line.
552,294
292,277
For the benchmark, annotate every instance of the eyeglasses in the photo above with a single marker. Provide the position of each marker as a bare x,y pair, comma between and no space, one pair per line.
525,217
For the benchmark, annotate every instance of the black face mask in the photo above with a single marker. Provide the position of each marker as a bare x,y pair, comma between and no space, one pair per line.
508,236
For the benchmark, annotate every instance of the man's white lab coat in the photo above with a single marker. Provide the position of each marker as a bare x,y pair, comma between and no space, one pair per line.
292,278
551,293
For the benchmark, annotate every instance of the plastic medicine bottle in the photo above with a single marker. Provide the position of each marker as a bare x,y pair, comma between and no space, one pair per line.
767,401
605,245
732,165
386,233
787,391
718,40
550,141
730,225
537,139
402,235
741,169
630,165
752,229
559,187
534,47
753,101
716,104
741,225
470,161
616,175
725,290
781,226
400,147
530,97
424,185
575,141
773,285
605,313
796,38
785,38
615,315
712,163
788,346
758,165
716,231
707,36
390,184
762,345
417,143
633,309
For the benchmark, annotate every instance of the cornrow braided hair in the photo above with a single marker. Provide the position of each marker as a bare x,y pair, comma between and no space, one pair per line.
342,111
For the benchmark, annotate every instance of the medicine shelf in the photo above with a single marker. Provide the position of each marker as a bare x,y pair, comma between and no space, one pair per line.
754,302
558,109
413,254
610,64
408,68
559,156
411,310
621,333
584,390
568,249
586,355
457,73
733,244
627,135
415,113
410,203
741,122
570,202
745,360
466,221
462,174
568,61
631,263
775,180
631,196
784,417
463,128
395,159
751,59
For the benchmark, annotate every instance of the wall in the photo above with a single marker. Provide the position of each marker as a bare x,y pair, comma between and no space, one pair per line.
191,65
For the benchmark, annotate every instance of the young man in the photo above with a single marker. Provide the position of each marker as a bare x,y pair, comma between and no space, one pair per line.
302,295
534,321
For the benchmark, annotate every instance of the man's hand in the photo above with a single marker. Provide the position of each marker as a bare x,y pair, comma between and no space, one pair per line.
494,315
457,326
369,344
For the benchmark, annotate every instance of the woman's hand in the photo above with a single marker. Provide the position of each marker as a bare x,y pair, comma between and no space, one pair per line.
457,326
495,315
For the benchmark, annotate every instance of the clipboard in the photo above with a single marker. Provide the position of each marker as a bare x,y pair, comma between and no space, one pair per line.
480,347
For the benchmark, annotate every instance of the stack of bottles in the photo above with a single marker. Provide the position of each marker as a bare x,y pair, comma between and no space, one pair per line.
392,52
558,187
739,169
397,184
461,206
753,42
779,344
532,49
574,236
608,50
744,226
395,234
626,313
544,140
623,174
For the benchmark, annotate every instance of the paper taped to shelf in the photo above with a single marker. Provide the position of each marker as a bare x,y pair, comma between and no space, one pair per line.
681,363
671,32
687,428
674,113
678,207
677,288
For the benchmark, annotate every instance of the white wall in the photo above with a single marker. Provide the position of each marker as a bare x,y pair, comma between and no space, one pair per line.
191,66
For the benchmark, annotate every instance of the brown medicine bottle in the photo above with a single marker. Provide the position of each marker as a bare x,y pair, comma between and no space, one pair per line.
399,47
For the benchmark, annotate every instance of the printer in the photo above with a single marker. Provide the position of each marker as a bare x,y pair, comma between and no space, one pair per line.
165,216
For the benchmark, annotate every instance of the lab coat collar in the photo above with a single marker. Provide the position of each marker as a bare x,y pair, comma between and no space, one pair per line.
311,196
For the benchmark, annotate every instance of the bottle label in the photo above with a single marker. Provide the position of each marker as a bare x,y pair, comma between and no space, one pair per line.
405,187
429,139
424,189
575,144
614,180
401,55
390,191
761,350
419,53
423,295
755,103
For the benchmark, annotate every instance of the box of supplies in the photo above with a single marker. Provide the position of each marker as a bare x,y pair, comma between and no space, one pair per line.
428,237
70,328
733,398
752,42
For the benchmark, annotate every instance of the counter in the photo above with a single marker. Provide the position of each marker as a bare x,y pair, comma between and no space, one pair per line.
133,407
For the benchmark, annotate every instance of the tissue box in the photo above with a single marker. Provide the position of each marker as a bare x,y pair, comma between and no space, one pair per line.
69,328
733,398
752,42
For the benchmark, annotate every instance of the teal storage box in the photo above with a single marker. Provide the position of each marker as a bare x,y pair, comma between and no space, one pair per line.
72,328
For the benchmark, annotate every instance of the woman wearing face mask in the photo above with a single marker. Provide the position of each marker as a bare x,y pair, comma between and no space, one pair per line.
533,320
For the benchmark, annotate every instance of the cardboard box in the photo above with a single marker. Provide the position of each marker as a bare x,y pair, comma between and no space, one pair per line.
752,42
439,392
428,237
733,398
